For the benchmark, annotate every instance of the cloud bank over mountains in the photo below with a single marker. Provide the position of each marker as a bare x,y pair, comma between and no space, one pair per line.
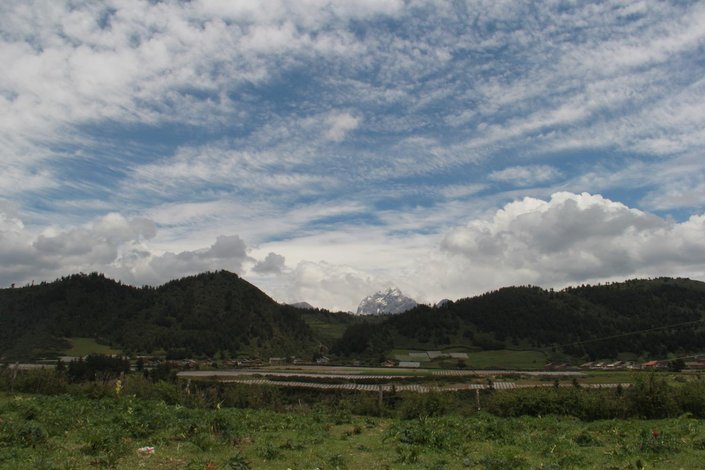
327,149
568,239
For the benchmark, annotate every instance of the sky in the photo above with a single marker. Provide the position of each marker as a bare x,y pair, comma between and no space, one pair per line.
324,150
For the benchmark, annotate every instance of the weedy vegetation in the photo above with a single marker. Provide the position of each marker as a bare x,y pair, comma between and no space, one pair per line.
49,422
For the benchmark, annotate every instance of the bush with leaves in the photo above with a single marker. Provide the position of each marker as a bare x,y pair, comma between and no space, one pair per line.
97,367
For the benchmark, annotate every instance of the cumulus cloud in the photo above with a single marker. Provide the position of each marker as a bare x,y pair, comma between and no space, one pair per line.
95,245
112,244
574,238
52,252
272,264
228,252
336,286
568,238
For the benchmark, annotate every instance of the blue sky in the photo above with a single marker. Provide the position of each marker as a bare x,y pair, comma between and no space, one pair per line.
325,150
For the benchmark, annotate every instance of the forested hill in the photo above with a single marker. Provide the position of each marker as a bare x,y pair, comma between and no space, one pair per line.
643,317
221,313
198,315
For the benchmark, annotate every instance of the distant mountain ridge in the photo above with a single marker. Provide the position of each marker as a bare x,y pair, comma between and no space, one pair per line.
390,301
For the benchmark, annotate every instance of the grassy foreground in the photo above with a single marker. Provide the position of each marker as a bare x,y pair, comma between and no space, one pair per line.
73,432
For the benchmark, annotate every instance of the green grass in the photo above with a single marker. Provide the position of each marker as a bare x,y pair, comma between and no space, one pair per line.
629,376
73,432
506,359
325,332
327,328
499,359
85,346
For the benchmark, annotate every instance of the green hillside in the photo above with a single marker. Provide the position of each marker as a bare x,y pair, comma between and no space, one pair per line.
218,313
199,315
644,317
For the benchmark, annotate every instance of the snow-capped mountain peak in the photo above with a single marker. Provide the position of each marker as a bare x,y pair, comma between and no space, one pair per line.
388,301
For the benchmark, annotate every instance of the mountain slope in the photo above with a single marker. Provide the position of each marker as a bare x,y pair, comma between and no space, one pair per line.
198,315
221,313
643,317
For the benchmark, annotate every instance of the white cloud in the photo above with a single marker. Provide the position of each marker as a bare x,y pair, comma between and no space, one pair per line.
570,238
272,264
348,139
235,171
572,78
17,179
9,220
321,284
340,125
567,239
525,175
97,245
112,244
461,190
228,252
575,238
687,192
135,62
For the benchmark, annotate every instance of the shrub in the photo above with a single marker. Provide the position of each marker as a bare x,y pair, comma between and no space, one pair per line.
337,462
423,405
407,453
222,427
25,434
203,441
439,434
586,439
107,444
237,462
658,442
651,398
44,381
341,414
578,402
268,452
690,398
501,461
97,367
141,387
366,405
